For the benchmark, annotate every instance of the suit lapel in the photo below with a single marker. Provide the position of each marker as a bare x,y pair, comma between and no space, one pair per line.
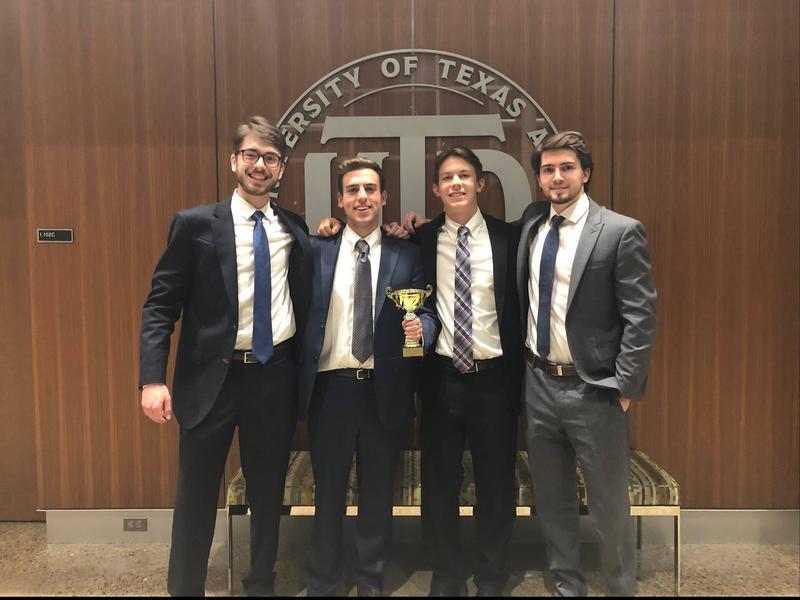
499,244
329,254
225,242
529,230
429,244
389,255
589,235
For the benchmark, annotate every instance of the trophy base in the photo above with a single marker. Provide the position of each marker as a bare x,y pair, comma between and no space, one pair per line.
413,352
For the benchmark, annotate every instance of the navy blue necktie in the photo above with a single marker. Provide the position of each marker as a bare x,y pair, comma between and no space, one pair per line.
547,270
262,300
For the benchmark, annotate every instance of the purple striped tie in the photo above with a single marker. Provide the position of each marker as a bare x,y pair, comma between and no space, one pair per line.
462,321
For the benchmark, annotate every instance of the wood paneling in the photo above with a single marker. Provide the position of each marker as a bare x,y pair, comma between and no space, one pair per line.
17,443
561,54
117,114
118,134
706,147
292,45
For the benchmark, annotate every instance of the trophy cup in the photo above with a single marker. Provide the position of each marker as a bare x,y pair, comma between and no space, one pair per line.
410,300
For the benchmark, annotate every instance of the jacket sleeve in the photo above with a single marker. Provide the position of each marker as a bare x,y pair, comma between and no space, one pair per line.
169,292
427,313
636,301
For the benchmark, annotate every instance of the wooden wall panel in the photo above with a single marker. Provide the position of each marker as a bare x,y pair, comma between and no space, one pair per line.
115,115
118,135
561,54
293,45
706,144
17,446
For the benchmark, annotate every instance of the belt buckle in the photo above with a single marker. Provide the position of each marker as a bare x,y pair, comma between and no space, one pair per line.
360,372
249,358
559,371
474,368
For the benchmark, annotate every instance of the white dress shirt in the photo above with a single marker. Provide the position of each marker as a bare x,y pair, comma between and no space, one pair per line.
569,234
280,244
485,329
337,345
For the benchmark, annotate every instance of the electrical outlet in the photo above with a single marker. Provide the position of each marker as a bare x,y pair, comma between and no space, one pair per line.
134,524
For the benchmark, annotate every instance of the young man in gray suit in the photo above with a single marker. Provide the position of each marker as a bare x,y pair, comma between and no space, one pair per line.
588,299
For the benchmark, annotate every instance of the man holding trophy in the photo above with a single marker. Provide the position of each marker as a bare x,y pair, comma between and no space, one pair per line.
355,383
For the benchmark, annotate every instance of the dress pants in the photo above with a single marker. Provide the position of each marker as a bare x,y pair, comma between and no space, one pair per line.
343,421
261,401
568,419
474,408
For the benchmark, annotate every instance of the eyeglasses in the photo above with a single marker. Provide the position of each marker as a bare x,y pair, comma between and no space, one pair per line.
250,157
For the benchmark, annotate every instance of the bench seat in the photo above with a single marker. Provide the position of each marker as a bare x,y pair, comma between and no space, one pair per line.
653,492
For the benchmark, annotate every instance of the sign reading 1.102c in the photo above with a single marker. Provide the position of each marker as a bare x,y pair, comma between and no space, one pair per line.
411,96
54,236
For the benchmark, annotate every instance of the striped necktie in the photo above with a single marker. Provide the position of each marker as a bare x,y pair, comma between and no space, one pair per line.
462,313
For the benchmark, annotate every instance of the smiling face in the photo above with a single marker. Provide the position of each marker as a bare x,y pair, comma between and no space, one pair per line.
362,199
561,177
256,181
458,188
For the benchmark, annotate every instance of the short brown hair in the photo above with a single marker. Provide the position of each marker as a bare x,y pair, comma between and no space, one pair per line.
262,129
356,164
565,140
459,152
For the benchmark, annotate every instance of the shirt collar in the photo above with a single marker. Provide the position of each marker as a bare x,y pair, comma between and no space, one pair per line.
244,210
350,237
474,225
574,212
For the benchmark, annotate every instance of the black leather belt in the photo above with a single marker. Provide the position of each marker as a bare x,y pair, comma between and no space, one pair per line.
552,369
477,365
360,374
247,357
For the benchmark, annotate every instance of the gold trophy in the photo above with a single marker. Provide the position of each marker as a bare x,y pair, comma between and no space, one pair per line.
410,300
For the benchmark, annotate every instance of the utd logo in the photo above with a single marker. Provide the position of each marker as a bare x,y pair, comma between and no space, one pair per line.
398,108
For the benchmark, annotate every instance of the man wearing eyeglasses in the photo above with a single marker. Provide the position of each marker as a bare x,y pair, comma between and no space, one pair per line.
237,274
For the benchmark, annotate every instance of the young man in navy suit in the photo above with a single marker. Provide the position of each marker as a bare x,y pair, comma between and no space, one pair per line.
356,387
470,385
237,274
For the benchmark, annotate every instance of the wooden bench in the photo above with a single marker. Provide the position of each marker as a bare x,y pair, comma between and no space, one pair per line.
653,493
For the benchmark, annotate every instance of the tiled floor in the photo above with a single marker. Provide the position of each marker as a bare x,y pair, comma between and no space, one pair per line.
29,566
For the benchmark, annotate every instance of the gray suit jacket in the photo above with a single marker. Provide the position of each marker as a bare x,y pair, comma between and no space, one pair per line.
611,306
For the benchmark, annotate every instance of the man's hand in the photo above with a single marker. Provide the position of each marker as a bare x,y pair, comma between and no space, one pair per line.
413,221
413,328
625,403
394,229
328,227
156,403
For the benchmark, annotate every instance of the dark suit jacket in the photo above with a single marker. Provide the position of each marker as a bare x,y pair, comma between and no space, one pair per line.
503,238
400,267
196,280
611,305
